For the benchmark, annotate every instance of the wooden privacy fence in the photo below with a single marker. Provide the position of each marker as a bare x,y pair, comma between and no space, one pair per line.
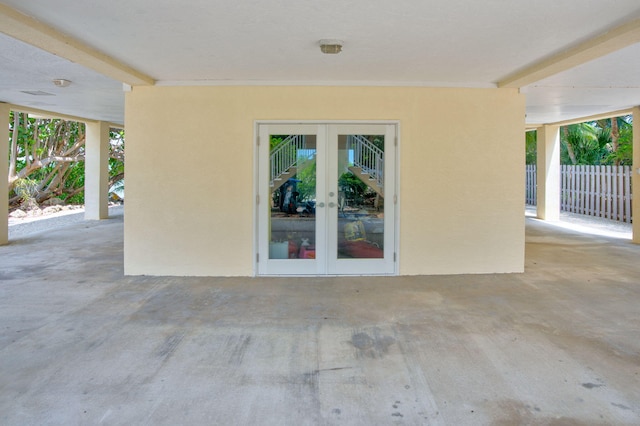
601,191
531,187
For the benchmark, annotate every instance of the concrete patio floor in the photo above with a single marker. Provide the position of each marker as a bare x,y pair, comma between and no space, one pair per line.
82,344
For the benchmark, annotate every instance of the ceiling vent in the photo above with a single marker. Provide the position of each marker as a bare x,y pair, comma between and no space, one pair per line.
37,93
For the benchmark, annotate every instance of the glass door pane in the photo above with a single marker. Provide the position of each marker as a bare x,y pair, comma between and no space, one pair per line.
361,228
292,183
290,231
360,215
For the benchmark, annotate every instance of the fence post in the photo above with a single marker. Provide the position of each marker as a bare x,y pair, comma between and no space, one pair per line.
627,193
574,189
596,196
620,194
582,171
614,192
591,190
531,184
609,198
534,193
563,188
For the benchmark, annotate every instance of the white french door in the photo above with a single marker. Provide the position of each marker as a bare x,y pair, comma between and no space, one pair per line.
326,199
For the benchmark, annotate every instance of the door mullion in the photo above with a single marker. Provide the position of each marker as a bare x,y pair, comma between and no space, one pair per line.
321,199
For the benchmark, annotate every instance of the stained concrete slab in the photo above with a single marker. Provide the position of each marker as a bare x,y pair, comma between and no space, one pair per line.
82,344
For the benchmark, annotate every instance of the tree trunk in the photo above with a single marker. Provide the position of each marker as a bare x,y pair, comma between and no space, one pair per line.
615,135
14,145
115,179
570,152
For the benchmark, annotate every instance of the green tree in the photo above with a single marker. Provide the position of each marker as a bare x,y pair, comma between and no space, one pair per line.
353,188
531,146
306,176
51,153
623,155
618,135
607,141
581,144
116,159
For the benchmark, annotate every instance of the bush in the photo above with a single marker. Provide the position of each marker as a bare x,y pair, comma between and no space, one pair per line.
26,189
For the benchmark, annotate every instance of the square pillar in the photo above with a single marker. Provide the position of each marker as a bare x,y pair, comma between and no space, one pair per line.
96,171
4,172
548,173
635,181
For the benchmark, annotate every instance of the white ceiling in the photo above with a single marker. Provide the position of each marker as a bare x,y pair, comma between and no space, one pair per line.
26,68
458,43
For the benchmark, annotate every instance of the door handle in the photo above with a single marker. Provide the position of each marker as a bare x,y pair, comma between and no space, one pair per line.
332,204
320,204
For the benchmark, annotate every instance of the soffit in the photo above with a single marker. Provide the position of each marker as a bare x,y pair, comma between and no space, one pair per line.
27,69
407,42
610,83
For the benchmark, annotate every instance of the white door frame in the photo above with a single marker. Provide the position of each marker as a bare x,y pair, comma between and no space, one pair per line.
391,187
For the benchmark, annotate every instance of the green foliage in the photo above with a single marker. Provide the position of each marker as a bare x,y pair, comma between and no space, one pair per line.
51,153
26,189
592,143
377,140
623,156
353,188
75,199
531,141
116,167
275,141
116,160
307,185
74,179
581,144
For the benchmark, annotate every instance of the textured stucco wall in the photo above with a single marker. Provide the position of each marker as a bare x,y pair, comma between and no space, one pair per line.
190,187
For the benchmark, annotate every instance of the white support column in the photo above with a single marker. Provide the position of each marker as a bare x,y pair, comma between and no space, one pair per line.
548,173
96,169
4,172
635,181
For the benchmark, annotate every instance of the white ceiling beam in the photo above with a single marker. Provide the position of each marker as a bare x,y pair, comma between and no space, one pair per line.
40,113
35,112
24,28
596,117
618,38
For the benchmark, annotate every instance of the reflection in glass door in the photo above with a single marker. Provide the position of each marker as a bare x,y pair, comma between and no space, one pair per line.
325,187
361,196
289,179
292,168
361,227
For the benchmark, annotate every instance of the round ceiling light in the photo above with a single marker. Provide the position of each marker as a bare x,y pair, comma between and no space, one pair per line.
61,82
330,47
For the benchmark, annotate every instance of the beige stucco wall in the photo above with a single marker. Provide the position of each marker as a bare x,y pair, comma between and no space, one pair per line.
191,190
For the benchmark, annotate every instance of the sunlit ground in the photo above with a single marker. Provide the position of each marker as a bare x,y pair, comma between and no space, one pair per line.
587,224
